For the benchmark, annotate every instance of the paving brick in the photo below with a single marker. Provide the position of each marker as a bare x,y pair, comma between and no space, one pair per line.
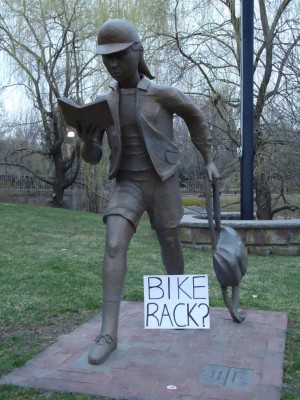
220,393
81,376
253,363
218,347
276,343
264,392
256,349
223,336
149,364
272,375
274,358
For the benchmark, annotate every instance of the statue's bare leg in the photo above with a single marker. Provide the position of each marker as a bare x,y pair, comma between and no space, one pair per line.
119,232
171,250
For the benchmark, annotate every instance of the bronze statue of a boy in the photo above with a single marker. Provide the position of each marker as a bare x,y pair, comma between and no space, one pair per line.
144,161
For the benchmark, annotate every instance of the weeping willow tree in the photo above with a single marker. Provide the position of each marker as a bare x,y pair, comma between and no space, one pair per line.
50,52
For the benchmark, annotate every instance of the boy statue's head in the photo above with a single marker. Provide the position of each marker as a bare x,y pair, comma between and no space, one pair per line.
117,35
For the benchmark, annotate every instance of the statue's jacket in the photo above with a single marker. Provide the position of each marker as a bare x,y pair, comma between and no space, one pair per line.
155,108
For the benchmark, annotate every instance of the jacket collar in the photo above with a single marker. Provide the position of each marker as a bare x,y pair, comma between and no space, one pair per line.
143,84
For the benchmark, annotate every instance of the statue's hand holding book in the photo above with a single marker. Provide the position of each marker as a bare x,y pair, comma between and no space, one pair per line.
88,118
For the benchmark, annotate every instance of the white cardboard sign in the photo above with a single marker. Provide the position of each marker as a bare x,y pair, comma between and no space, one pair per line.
176,302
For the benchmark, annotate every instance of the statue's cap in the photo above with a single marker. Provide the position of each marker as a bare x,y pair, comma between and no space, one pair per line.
116,35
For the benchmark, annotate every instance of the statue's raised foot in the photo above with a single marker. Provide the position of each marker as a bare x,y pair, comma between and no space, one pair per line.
102,348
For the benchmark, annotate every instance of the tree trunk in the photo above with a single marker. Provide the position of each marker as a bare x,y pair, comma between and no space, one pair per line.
263,196
58,197
59,180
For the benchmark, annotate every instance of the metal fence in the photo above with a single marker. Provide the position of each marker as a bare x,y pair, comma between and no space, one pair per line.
193,189
29,182
26,182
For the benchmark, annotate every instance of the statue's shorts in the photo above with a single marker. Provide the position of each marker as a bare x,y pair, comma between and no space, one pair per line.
137,192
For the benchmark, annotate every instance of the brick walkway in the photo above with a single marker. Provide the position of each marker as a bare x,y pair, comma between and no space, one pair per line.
229,361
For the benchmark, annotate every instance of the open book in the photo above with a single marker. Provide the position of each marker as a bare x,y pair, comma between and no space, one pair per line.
96,113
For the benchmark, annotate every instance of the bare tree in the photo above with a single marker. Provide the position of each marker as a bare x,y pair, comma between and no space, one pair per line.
46,44
203,42
50,48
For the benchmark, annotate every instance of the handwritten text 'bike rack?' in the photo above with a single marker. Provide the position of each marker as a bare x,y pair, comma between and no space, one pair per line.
176,302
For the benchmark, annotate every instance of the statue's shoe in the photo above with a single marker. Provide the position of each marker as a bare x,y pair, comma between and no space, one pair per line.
102,348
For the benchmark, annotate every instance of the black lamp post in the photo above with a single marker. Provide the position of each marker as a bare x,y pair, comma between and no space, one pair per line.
246,150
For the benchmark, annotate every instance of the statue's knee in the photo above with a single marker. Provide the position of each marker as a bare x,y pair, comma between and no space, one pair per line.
115,248
170,241
112,249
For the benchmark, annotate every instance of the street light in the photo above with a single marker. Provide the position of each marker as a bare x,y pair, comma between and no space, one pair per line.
70,134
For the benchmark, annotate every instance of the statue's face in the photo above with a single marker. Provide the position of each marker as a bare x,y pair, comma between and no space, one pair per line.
122,66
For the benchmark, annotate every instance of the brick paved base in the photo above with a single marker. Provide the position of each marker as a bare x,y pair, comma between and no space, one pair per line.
229,361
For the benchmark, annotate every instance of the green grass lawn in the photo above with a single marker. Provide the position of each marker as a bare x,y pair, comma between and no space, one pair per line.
50,274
